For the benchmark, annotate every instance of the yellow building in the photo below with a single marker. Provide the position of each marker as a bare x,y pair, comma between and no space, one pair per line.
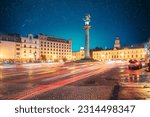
9,50
33,48
78,55
53,48
10,47
29,48
126,54
116,53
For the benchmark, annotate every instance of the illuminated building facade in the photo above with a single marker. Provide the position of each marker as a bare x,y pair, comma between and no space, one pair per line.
9,50
34,48
129,52
29,48
78,55
10,47
53,48
125,54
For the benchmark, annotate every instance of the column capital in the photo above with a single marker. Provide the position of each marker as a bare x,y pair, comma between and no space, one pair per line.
87,27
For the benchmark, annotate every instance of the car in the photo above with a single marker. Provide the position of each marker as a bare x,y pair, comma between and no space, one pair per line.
148,65
143,62
134,64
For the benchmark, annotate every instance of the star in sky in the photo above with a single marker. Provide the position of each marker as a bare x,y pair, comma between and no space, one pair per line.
130,19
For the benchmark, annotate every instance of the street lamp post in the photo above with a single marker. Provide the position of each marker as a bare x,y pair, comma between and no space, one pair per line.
35,55
30,58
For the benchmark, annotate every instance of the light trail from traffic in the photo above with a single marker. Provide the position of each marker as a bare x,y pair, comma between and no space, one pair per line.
41,89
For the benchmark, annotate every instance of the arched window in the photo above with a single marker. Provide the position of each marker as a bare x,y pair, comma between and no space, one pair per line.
30,36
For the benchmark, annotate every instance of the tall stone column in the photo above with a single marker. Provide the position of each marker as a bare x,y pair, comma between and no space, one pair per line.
87,41
87,37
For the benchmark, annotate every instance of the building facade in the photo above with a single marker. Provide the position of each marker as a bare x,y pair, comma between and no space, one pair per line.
34,48
78,55
135,51
53,48
10,50
29,48
10,47
125,54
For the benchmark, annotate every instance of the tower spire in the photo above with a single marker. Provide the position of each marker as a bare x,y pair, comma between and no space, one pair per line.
117,43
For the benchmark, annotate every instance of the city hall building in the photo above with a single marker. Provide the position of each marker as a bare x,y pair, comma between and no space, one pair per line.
32,48
124,54
135,51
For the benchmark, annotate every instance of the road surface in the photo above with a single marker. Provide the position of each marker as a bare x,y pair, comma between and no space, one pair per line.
72,81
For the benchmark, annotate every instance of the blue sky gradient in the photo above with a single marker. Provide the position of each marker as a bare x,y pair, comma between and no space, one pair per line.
129,19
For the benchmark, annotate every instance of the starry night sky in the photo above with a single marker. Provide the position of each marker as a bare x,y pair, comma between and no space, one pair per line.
129,19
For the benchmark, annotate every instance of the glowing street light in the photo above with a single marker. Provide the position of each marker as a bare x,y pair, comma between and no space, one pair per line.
54,57
122,54
0,55
103,55
74,57
30,56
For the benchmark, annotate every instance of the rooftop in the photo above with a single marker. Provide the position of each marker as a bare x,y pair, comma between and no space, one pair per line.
51,38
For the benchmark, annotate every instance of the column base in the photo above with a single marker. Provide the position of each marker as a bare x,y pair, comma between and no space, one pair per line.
86,60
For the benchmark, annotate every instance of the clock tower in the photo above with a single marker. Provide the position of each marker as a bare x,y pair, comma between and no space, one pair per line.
117,43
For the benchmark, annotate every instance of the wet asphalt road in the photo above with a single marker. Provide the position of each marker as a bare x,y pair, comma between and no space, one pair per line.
94,81
134,85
